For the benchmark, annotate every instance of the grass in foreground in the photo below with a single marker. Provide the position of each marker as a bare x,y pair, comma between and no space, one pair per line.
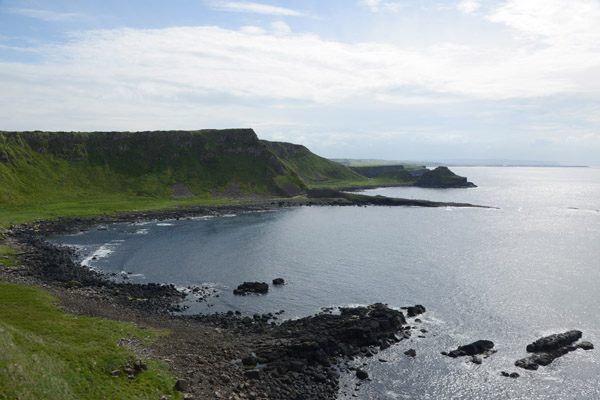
93,207
46,353
7,256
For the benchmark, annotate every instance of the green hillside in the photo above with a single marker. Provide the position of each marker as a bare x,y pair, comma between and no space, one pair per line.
314,170
43,167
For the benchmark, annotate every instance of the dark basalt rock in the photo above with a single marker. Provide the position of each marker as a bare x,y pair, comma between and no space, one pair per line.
415,310
585,346
278,281
478,347
362,374
554,342
549,348
251,288
411,353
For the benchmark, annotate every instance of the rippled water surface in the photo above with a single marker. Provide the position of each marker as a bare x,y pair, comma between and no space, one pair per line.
510,275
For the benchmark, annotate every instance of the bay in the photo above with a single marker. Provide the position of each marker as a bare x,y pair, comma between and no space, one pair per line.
528,268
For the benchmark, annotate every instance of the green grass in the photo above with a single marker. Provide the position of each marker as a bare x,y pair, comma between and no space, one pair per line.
46,353
314,170
102,206
7,256
42,168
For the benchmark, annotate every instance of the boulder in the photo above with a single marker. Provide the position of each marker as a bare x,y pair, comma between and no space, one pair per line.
249,360
253,374
182,385
362,374
415,310
585,346
278,281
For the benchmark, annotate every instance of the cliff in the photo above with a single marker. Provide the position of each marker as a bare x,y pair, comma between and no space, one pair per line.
376,171
61,166
313,169
442,177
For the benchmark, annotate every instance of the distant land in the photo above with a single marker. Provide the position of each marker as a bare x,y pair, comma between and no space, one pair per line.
50,174
465,162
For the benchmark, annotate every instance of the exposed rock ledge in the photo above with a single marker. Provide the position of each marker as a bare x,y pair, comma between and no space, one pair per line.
549,348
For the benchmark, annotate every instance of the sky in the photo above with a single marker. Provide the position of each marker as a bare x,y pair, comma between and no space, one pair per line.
387,79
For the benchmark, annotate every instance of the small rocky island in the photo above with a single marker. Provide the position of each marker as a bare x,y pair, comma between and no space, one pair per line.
547,349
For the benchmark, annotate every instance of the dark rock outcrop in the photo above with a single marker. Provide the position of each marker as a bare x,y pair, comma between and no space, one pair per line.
411,352
554,342
415,310
351,199
478,347
442,177
251,288
306,349
549,348
362,374
278,281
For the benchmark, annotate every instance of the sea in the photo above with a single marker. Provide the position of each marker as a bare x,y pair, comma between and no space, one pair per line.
527,267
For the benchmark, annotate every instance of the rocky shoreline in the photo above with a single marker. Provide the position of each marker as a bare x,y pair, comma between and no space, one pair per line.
226,355
216,355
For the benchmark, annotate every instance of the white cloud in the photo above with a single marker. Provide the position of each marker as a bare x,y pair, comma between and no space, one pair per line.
176,63
255,8
555,22
469,6
274,78
281,28
44,15
382,6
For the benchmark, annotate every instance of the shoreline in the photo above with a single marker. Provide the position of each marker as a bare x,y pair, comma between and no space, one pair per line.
301,358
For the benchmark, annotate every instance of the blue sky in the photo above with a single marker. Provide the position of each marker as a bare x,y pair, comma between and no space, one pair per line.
390,79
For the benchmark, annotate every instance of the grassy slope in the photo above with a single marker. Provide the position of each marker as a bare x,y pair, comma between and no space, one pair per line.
46,353
45,175
314,170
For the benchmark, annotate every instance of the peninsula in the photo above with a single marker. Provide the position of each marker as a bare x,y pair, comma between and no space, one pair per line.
59,182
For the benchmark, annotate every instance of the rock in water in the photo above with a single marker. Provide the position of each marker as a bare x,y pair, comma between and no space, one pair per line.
554,342
251,288
585,346
549,348
478,347
416,310
362,374
278,281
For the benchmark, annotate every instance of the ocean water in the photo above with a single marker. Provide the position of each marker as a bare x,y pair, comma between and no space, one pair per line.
511,274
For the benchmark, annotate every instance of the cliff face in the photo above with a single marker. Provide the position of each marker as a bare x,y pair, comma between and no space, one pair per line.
312,168
377,171
70,165
442,177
